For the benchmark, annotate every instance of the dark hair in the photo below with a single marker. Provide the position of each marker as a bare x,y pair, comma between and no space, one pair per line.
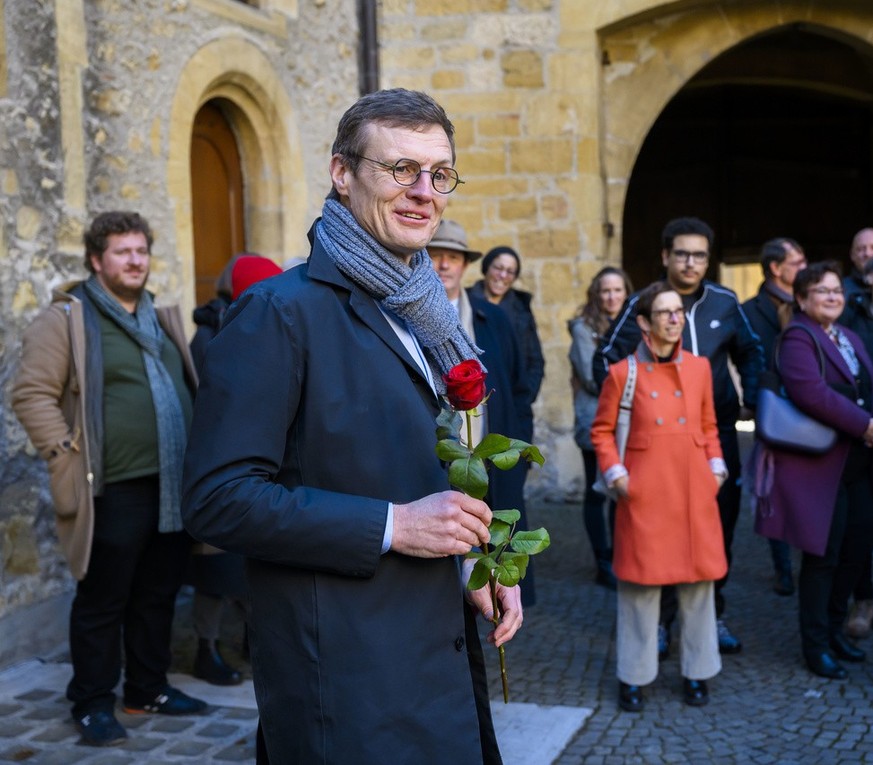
647,297
774,251
590,311
812,275
113,222
397,107
683,226
496,252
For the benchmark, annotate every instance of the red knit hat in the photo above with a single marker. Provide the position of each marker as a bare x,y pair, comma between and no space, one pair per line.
249,269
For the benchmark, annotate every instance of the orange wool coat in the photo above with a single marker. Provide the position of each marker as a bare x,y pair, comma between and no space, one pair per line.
667,530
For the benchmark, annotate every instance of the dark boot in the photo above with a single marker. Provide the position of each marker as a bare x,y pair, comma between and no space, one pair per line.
605,576
211,667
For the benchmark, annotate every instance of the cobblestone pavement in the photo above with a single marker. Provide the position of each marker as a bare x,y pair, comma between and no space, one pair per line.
766,707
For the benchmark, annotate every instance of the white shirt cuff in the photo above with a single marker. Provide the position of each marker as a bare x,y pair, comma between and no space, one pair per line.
389,529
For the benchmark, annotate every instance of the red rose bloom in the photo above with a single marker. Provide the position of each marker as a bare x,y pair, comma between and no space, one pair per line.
465,385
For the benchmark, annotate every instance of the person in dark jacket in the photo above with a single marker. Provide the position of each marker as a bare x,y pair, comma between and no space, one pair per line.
769,313
312,453
218,576
508,409
715,327
501,267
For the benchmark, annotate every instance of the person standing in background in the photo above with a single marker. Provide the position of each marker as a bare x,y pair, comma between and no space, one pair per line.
501,267
667,526
218,576
607,293
715,327
769,313
823,503
105,392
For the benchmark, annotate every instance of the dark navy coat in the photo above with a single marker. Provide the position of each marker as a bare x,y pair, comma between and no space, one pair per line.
311,418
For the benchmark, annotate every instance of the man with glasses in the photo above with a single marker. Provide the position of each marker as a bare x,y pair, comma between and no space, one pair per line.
312,454
769,312
715,327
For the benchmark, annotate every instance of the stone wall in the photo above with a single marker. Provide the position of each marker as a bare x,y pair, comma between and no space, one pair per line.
89,120
552,100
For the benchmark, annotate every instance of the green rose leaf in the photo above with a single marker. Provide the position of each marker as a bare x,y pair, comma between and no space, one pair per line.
449,449
519,560
500,532
492,444
530,452
507,516
448,424
480,573
506,460
469,476
530,542
507,573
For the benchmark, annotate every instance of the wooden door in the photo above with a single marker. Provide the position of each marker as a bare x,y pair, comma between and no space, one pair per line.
217,208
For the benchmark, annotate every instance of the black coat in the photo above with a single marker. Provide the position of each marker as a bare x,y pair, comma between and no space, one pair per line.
764,318
516,305
311,418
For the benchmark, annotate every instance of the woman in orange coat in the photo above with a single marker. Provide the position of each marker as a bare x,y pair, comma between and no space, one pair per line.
667,528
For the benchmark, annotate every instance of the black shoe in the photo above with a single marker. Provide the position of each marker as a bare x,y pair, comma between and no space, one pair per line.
211,666
727,641
783,584
171,702
695,692
825,665
630,697
845,648
100,728
663,642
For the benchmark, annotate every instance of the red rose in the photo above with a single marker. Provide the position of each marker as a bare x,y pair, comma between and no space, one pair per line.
465,385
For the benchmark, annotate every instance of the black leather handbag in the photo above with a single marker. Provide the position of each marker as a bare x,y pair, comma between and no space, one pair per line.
780,424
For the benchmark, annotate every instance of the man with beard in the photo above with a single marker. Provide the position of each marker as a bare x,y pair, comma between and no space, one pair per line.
105,392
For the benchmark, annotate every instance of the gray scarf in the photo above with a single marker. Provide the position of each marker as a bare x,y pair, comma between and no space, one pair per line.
412,292
145,330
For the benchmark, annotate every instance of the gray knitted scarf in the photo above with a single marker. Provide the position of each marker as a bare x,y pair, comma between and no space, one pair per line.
412,292
143,328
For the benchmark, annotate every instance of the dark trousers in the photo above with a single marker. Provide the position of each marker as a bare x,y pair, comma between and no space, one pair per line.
826,582
593,515
729,497
126,598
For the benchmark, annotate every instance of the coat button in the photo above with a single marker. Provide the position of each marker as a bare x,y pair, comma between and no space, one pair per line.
681,420
659,421
677,393
459,644
649,367
654,394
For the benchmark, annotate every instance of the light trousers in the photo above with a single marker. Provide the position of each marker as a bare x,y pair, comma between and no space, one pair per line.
639,608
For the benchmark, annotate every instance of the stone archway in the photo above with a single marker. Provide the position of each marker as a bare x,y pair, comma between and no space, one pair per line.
654,62
235,71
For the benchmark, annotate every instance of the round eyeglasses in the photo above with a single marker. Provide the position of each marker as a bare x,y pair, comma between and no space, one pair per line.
407,172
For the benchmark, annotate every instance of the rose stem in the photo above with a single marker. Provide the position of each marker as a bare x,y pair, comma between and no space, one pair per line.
492,581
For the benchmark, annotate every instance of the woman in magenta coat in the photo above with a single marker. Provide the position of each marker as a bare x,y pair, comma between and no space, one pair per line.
823,504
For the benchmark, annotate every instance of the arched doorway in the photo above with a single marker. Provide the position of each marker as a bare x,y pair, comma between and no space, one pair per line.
772,138
217,204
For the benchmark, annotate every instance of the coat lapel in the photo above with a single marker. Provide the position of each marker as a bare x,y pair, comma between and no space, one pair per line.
321,268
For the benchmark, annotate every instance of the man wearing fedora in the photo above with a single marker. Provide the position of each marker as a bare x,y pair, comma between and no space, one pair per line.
508,410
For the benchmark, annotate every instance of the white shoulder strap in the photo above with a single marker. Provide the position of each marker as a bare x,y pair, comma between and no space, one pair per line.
630,385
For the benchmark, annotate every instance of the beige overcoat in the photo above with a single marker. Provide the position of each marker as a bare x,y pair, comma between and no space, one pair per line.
49,398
